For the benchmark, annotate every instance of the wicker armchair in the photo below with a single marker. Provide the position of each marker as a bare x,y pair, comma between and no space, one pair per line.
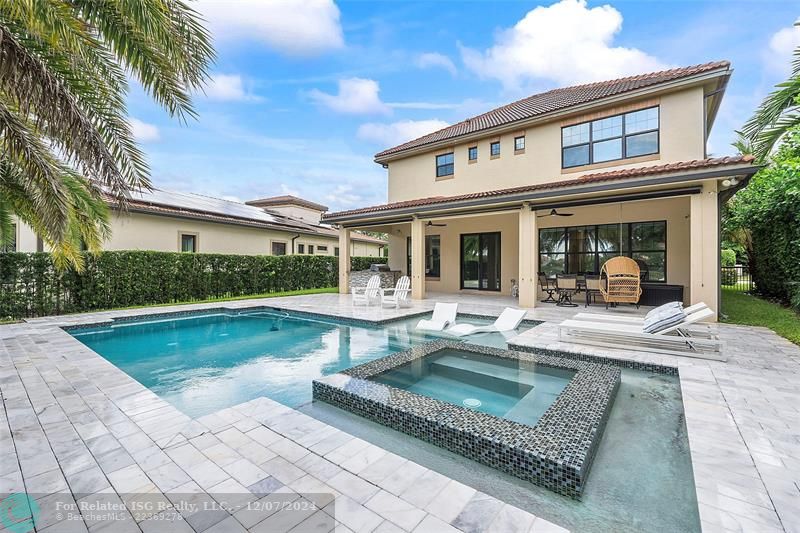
623,284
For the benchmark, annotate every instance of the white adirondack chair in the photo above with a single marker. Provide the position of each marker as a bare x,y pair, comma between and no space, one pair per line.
369,294
398,295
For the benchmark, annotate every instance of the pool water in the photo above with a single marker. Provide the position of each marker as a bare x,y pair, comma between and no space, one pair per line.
203,363
515,390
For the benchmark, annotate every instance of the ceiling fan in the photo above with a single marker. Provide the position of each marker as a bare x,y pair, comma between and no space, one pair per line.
430,224
555,213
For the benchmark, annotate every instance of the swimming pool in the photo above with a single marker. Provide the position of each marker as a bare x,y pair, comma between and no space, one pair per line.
201,363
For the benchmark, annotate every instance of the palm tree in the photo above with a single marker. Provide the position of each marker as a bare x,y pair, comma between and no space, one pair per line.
65,141
776,115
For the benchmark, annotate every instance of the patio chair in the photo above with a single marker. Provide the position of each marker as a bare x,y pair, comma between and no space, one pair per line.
443,316
508,320
369,294
592,288
398,295
673,339
547,285
566,286
623,283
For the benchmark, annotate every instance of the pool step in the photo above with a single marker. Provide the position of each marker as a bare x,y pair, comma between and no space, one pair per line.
543,380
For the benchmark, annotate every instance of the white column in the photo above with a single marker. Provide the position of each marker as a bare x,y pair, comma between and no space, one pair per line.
528,257
417,259
704,246
344,260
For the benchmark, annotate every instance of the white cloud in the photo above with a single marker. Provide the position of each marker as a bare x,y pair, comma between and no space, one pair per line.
436,60
144,132
356,96
398,132
566,42
293,27
228,88
781,46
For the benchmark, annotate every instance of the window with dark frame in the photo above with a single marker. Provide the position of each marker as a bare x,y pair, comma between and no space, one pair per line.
322,248
188,243
584,249
519,143
611,138
301,248
433,254
311,249
278,248
494,149
444,165
473,153
11,244
336,251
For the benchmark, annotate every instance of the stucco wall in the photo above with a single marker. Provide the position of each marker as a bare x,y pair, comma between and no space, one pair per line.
681,139
137,231
675,211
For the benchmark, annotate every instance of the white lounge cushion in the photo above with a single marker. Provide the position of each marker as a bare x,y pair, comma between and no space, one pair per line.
666,318
662,308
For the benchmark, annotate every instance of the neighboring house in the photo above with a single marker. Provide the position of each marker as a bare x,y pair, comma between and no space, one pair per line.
169,221
471,206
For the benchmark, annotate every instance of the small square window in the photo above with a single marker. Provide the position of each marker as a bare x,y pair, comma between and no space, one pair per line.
519,143
278,248
188,243
473,153
444,165
301,248
322,249
494,149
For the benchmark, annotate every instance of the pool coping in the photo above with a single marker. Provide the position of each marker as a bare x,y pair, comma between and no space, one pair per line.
240,310
556,453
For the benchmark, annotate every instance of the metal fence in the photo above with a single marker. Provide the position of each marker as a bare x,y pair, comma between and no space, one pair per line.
737,278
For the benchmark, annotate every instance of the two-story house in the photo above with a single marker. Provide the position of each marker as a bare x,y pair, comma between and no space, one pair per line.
560,182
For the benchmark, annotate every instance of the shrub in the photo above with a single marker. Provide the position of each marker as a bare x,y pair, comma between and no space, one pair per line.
769,208
31,286
363,263
728,259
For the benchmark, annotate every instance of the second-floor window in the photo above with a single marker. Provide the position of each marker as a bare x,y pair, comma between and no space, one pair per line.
611,138
494,149
444,165
473,153
519,143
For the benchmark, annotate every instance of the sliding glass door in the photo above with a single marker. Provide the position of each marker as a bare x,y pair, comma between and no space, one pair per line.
480,261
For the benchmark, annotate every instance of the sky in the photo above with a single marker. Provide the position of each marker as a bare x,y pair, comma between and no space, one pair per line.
304,93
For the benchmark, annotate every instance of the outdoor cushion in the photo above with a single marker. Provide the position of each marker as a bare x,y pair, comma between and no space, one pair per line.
667,318
661,308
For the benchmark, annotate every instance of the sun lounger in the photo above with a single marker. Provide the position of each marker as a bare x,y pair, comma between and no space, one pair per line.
623,319
677,339
443,316
508,320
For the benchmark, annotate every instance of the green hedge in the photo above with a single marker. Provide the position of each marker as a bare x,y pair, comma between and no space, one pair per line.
769,209
31,286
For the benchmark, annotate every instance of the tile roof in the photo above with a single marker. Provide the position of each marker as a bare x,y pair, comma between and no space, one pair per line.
287,199
554,100
599,177
190,205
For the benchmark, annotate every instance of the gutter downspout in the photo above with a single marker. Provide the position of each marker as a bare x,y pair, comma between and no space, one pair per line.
294,239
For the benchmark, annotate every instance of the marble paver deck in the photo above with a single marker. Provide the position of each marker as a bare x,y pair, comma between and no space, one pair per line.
75,427
73,423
